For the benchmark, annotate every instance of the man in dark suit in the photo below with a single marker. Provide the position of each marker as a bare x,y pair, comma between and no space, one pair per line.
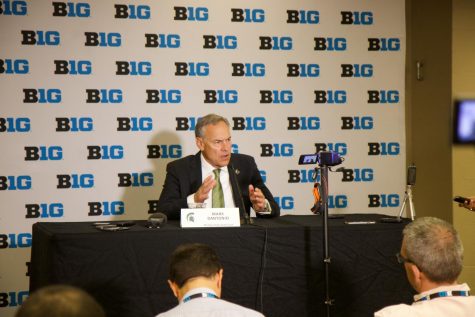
196,178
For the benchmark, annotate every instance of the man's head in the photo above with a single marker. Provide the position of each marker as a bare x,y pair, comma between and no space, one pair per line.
60,301
433,253
194,265
213,138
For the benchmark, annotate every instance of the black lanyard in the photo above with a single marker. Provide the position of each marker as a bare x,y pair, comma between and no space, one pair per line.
443,294
198,295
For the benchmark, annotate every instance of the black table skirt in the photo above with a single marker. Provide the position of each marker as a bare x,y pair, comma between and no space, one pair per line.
275,266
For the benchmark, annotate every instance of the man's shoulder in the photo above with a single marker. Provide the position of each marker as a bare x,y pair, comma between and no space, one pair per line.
239,157
184,160
399,310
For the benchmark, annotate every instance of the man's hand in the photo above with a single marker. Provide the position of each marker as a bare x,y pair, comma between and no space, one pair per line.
203,192
257,198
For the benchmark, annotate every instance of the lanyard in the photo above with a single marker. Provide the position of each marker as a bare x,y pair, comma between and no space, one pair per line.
198,295
443,294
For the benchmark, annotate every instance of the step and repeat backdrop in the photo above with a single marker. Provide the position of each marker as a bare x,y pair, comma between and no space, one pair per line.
98,96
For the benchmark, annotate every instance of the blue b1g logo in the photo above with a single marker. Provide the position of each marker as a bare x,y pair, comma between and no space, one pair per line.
13,7
277,150
14,66
71,10
21,182
13,241
285,202
40,38
13,125
13,299
41,95
44,210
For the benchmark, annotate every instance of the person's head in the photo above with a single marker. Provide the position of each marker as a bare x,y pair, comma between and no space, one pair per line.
194,265
60,301
213,138
433,253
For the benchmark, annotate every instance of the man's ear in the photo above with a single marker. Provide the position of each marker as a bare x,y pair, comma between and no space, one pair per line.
174,288
417,276
199,143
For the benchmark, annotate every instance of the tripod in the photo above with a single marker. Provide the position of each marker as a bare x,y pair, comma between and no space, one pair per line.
326,256
408,197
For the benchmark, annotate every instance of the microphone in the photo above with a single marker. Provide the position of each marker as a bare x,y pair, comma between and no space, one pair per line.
245,215
411,175
156,220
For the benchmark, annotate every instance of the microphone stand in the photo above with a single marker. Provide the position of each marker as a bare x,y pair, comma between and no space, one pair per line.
326,258
245,219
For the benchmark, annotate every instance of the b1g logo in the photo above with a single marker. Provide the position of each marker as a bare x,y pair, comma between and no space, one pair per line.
275,43
277,150
248,15
285,202
303,70
330,96
383,148
75,181
135,179
221,96
162,40
72,67
106,208
337,44
13,299
164,151
191,14
303,16
133,68
40,38
337,201
276,96
105,152
13,7
186,124
357,175
357,123
103,96
340,148
384,44
357,17
383,200
248,70
357,70
43,153
383,96
163,96
44,210
14,125
249,123
130,11
228,42
14,241
191,69
303,123
303,176
14,66
21,182
41,95
135,124
83,124
71,10
103,39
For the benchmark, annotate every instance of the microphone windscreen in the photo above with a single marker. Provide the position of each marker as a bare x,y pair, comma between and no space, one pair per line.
157,219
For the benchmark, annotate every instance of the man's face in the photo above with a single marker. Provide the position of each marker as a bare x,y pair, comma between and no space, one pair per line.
216,144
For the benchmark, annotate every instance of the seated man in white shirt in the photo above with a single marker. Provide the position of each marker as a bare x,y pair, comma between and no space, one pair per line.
432,255
196,278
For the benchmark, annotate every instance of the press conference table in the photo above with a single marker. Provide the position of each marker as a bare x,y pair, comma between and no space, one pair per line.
275,266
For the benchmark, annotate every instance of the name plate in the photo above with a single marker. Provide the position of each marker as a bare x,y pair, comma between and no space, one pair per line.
210,217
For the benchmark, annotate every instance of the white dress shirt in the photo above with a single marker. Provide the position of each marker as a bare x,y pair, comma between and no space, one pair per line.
208,307
448,306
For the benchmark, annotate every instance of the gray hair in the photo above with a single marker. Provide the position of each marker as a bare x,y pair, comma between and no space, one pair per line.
434,246
207,120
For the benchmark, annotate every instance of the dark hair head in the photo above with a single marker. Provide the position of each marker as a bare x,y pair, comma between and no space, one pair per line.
193,260
60,301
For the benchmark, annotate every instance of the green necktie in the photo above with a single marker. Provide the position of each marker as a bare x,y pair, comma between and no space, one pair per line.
217,195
